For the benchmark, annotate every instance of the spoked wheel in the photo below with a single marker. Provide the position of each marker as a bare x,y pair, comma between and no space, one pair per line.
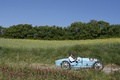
98,65
65,65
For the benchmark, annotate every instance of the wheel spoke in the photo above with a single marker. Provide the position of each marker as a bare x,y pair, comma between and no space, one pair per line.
98,66
65,65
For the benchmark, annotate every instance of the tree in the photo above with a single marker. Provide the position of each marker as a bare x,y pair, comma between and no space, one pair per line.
1,31
94,29
18,31
77,30
114,31
104,27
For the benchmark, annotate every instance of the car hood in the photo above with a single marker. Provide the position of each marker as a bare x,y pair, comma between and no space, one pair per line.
89,59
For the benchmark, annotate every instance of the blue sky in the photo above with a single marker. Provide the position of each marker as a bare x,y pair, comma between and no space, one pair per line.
57,12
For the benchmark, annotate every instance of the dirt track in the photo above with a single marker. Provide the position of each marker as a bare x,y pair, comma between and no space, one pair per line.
111,68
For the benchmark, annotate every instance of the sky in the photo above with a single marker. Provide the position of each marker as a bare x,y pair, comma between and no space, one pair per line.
58,12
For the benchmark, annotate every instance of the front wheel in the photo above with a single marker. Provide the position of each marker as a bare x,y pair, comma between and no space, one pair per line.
65,65
98,65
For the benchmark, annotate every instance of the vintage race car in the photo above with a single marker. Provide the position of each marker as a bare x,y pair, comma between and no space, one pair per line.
65,63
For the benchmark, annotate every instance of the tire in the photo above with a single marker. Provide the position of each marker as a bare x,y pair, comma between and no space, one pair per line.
98,66
65,65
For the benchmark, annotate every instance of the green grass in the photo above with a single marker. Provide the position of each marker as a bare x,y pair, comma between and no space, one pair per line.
29,44
16,52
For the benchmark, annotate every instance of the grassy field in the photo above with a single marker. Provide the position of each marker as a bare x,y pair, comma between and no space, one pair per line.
30,44
17,52
47,51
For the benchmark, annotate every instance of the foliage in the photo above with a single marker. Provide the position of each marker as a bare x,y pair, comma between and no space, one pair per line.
1,31
76,31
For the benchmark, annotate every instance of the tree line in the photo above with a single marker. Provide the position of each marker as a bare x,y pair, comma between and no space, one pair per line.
76,31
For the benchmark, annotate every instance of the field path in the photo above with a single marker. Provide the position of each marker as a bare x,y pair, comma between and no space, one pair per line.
111,68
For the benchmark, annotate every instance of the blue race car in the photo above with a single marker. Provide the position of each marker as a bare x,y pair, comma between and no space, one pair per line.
65,63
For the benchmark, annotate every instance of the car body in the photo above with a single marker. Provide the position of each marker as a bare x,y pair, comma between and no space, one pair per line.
65,63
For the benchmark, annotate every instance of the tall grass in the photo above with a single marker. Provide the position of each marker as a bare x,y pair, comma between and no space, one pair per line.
29,73
25,73
37,44
16,52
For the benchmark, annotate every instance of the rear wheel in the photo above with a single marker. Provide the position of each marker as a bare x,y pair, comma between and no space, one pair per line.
98,65
65,65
